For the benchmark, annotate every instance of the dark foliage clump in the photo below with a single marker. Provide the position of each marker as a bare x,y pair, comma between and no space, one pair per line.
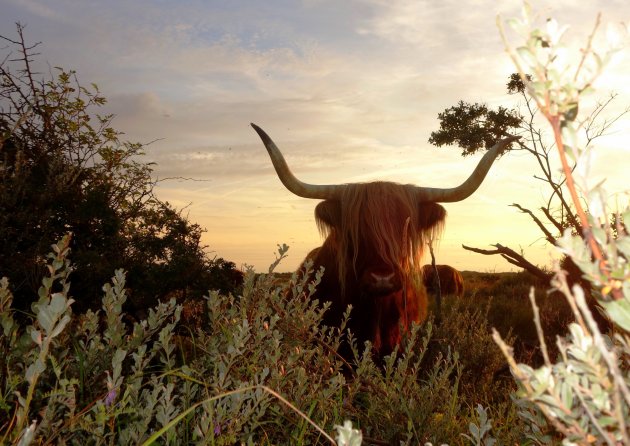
474,126
63,169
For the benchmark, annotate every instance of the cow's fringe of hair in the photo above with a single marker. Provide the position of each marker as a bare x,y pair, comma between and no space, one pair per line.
379,212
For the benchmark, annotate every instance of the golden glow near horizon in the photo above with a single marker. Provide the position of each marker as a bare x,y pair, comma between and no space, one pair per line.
349,91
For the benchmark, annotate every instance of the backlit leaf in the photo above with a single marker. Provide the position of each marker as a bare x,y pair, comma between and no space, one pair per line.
619,311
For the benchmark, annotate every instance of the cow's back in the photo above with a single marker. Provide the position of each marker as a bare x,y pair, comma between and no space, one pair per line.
451,280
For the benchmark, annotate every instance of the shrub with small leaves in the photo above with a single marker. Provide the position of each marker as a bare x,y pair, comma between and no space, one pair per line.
584,393
263,370
89,382
479,434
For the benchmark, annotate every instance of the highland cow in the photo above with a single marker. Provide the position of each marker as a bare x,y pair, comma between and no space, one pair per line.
375,234
448,280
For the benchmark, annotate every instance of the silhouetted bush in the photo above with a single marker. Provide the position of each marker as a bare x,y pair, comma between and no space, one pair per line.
63,168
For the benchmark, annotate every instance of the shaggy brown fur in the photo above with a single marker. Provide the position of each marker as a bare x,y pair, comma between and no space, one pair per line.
374,215
375,229
451,280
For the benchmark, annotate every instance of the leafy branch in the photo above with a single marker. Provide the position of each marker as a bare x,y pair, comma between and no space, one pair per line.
585,394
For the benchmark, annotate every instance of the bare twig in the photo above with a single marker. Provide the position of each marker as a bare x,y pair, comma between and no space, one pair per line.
514,258
552,220
548,236
539,330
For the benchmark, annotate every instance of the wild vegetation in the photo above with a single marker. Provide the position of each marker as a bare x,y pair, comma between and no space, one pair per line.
251,366
96,377
473,127
583,392
65,169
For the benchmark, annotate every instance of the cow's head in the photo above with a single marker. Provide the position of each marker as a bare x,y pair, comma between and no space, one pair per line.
378,230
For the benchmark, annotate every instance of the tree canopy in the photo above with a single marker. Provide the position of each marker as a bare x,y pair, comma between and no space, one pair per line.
475,126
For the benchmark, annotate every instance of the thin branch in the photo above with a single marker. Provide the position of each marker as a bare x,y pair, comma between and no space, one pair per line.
552,220
539,330
514,258
159,180
548,236
541,153
587,50
586,226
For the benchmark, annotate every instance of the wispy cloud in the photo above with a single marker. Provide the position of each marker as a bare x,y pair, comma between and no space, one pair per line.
349,90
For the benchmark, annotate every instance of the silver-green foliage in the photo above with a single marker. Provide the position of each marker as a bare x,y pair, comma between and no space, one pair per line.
80,382
480,433
93,378
261,369
584,393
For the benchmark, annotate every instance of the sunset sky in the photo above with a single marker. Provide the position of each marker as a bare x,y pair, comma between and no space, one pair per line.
349,90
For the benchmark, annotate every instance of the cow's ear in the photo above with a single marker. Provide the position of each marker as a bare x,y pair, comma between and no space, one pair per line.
431,215
328,213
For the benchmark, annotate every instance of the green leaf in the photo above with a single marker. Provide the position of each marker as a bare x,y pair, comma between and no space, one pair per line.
605,421
517,25
566,394
28,435
527,56
47,282
619,311
34,370
36,336
57,264
58,304
7,323
623,244
45,318
347,436
60,326
474,430
599,233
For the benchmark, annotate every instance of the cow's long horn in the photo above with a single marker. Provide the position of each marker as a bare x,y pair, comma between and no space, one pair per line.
320,191
473,182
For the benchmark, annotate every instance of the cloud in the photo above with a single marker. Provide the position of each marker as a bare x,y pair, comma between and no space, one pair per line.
410,22
349,90
37,8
